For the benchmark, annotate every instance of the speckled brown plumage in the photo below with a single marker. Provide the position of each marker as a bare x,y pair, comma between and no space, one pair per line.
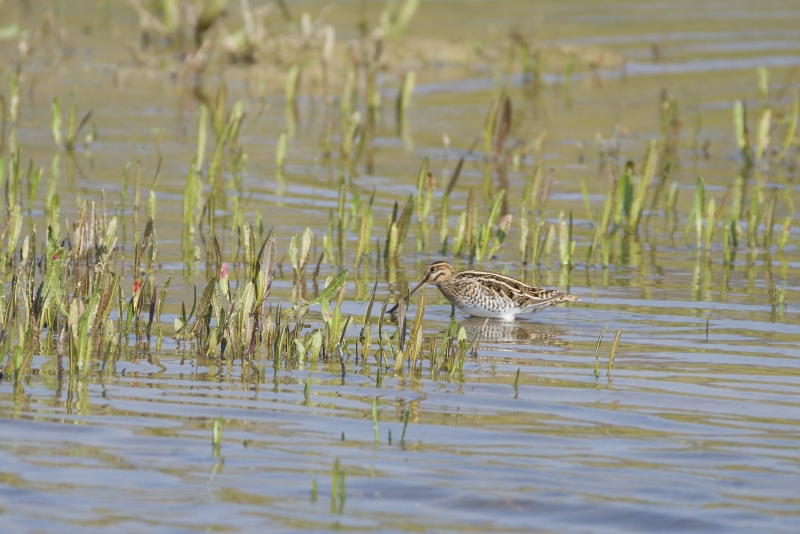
486,294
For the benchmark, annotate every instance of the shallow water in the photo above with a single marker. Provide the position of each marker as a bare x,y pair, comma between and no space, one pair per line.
695,428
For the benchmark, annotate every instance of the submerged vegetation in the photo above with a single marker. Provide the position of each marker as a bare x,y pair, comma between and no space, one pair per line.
70,291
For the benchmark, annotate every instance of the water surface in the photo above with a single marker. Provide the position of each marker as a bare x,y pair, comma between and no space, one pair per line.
695,428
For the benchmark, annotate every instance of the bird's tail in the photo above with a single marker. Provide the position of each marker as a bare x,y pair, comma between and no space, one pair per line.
556,298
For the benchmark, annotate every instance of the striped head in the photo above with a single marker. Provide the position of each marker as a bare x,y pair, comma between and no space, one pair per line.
437,272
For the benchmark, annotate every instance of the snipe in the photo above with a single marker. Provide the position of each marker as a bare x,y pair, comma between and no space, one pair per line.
485,294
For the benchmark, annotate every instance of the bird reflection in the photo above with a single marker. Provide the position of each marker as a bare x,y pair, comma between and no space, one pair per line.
496,331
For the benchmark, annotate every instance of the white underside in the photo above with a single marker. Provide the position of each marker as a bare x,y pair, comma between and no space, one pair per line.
509,315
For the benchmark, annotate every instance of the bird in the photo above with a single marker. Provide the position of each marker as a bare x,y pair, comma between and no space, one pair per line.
487,294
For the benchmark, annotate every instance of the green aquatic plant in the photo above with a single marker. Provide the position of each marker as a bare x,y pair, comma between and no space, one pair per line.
56,123
338,488
280,151
397,228
637,203
566,244
216,435
700,210
375,419
364,229
742,134
789,138
614,345
493,127
403,103
397,15
299,248
406,416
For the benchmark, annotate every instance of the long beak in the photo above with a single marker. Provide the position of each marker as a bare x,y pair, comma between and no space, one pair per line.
421,284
